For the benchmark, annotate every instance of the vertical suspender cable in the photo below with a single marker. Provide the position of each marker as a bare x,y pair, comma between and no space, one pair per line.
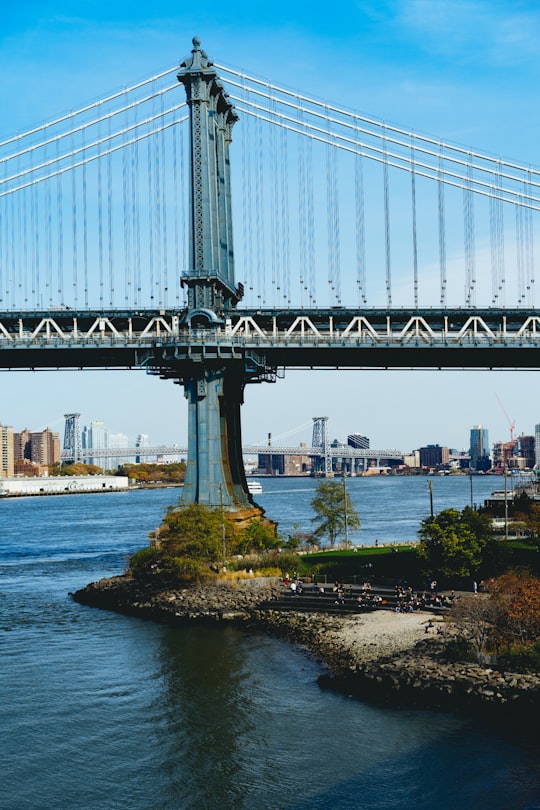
126,196
333,226
274,209
60,232
284,163
74,245
387,224
85,228
414,230
157,216
529,242
259,201
150,213
136,218
35,258
519,252
311,280
176,262
247,151
468,228
12,286
100,219
183,207
495,286
499,208
48,239
110,220
442,227
164,209
176,253
302,203
360,227
24,242
3,245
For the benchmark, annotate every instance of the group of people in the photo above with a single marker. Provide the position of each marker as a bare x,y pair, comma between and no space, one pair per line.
406,600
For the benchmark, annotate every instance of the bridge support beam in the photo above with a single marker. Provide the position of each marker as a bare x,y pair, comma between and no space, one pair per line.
215,470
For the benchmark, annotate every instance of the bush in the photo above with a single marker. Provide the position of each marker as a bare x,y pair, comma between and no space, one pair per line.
140,564
460,649
520,659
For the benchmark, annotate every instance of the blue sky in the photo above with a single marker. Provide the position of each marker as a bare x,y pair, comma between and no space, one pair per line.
464,71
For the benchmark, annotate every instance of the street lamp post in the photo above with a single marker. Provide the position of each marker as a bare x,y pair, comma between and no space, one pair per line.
222,527
345,507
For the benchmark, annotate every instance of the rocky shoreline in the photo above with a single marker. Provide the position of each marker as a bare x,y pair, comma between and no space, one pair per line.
382,657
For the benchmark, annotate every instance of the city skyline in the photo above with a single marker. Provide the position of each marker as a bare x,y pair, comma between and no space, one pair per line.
121,439
465,72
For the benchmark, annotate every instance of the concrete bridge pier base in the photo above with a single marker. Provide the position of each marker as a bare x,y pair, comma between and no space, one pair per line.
215,473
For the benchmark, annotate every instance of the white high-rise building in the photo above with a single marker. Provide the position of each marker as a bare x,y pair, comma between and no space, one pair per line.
537,445
96,437
143,440
118,441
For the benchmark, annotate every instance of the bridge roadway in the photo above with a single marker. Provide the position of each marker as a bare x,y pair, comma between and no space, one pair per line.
264,340
247,450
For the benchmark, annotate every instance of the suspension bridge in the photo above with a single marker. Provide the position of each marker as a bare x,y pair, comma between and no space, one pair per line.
356,244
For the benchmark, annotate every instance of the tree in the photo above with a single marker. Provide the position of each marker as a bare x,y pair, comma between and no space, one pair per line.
191,543
195,531
334,511
452,542
257,536
517,593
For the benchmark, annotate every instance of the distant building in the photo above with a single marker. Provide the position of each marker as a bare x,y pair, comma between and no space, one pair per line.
526,450
117,441
45,448
25,468
22,445
433,455
143,440
96,437
479,449
503,453
7,463
412,459
357,441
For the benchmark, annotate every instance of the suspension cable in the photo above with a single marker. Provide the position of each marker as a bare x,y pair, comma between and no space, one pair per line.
399,161
436,143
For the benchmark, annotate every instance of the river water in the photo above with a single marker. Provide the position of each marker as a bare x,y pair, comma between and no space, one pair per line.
101,711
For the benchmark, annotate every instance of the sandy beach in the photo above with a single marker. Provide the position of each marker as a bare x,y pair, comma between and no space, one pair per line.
370,636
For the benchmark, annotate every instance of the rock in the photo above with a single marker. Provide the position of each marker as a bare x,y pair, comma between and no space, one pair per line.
419,676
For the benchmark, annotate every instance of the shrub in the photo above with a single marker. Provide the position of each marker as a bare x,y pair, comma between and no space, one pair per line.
460,649
140,563
520,658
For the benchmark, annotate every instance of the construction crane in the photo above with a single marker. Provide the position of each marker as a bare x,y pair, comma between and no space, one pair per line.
512,423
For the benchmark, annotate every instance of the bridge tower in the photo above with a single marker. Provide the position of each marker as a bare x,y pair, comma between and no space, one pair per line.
212,370
72,438
321,439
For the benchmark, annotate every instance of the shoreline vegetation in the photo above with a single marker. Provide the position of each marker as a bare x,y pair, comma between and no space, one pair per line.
381,656
389,635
